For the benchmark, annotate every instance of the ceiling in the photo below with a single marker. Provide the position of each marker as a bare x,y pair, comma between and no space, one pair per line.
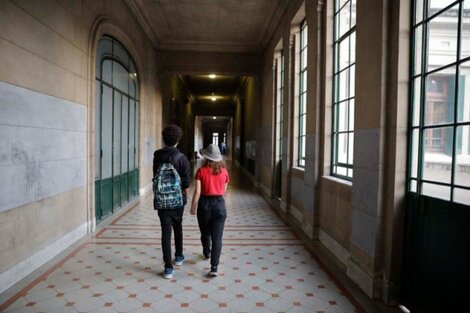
209,25
201,87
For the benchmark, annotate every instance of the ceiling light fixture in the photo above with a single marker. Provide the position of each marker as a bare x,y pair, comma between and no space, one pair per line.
212,76
214,118
213,97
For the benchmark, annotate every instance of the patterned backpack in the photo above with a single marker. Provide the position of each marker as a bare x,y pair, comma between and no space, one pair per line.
167,190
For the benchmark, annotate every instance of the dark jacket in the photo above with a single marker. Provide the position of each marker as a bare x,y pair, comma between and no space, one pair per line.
182,165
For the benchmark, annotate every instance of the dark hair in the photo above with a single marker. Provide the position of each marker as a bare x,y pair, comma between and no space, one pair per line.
215,166
172,135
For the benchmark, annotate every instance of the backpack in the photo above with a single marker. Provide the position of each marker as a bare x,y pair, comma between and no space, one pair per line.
167,190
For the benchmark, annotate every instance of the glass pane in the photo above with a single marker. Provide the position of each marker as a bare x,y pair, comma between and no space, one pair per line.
342,117
462,196
418,50
303,81
343,148
413,186
107,132
107,71
343,86
302,148
304,103
465,36
342,171
303,60
350,148
339,4
351,115
343,21
352,81
438,154
463,102
352,40
462,161
305,37
125,134
121,54
440,99
442,41
416,100
436,191
97,129
350,172
105,46
131,135
132,87
120,77
437,5
414,152
353,13
343,54
117,134
419,10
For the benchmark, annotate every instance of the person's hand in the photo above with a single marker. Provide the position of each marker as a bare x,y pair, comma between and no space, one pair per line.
192,211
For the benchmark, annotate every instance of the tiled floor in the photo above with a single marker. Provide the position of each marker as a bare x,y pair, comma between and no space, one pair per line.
264,268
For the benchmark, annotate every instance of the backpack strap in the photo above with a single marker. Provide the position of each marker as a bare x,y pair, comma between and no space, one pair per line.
177,156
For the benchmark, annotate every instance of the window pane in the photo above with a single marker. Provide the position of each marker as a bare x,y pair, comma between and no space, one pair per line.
418,50
462,161
413,185
350,172
303,82
463,102
352,81
342,116
343,54
339,4
436,191
414,153
105,46
343,148
120,78
350,148
125,134
352,40
117,134
341,171
131,135
440,91
107,132
442,41
437,154
107,71
351,114
97,129
419,10
465,36
343,21
416,100
121,54
436,5
462,196
353,13
343,85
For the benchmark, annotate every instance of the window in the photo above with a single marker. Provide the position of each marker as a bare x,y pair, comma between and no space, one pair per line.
215,139
302,117
279,103
117,122
439,132
344,49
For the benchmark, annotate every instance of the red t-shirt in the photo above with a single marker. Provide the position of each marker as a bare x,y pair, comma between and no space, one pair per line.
212,185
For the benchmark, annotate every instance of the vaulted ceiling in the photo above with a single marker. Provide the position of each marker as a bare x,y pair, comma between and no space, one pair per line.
209,25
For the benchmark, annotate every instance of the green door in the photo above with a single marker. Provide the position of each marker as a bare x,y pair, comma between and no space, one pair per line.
116,166
437,235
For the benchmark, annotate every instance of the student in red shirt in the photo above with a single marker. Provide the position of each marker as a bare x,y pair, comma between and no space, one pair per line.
211,183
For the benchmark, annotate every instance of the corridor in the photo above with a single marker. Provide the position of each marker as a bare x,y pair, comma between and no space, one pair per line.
264,268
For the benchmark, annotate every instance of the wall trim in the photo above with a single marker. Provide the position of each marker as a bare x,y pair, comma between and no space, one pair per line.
361,278
265,190
334,247
297,214
283,205
29,265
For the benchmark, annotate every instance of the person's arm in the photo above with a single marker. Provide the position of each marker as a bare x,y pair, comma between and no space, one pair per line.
226,186
196,195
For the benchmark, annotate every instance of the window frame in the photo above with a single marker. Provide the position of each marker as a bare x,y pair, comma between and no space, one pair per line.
302,107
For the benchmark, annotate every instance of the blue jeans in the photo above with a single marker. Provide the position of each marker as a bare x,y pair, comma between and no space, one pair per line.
211,216
171,219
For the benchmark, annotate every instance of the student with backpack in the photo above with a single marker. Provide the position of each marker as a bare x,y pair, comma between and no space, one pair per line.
172,174
211,184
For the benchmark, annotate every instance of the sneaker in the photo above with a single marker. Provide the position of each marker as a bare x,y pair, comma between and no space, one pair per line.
206,256
179,260
168,273
213,272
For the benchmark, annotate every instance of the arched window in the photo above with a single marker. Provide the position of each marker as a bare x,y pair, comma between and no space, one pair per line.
116,132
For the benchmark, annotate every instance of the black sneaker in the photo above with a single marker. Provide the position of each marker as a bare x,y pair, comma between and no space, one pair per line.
213,272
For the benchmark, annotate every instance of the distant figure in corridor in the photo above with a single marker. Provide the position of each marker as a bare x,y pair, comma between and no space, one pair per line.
211,184
172,217
223,148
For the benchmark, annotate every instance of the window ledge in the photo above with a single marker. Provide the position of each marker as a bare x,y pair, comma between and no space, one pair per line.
337,180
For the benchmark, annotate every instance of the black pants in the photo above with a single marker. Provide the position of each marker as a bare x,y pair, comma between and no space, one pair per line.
211,215
171,219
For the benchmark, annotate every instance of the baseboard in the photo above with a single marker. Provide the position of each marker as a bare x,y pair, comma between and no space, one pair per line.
297,214
29,265
334,247
361,278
